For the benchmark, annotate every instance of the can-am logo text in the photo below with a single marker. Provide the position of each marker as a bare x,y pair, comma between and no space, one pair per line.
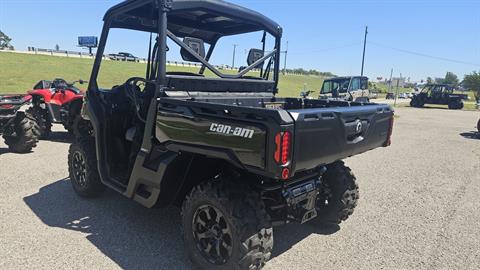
234,131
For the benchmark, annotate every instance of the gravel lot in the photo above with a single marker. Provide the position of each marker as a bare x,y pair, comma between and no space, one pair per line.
419,209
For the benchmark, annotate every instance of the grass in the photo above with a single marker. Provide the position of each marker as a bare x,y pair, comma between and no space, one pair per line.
19,72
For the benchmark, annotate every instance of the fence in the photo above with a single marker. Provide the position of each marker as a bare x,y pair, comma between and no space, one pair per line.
65,53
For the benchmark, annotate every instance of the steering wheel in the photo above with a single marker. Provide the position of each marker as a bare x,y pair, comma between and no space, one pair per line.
134,82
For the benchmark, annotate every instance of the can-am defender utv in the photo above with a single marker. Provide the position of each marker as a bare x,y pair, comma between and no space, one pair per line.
236,158
440,94
346,88
19,129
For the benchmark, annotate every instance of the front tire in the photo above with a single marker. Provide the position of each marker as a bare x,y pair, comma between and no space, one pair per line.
43,121
341,194
417,103
226,226
82,168
82,128
26,134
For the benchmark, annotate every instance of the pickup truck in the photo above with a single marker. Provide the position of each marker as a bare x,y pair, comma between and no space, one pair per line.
235,157
123,56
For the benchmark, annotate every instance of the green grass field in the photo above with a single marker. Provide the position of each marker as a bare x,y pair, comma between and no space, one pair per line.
19,72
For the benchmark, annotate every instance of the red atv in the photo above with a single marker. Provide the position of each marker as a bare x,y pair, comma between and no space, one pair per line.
56,101
19,129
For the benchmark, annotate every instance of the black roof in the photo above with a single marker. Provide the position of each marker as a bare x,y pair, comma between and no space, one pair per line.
204,19
345,78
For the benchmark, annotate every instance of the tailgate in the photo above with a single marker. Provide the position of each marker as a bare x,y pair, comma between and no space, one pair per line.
325,135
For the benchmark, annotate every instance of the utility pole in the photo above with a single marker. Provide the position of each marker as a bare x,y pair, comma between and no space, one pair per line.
364,48
396,92
285,62
234,49
390,82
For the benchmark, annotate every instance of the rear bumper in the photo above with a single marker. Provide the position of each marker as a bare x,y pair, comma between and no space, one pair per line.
293,200
301,200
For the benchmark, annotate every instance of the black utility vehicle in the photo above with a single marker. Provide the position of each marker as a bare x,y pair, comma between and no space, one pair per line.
441,94
237,159
19,129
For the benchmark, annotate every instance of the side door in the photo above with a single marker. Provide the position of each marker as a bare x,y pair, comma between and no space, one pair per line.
355,88
364,87
327,90
436,95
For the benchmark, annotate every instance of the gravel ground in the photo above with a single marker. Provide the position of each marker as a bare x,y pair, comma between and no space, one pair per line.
419,209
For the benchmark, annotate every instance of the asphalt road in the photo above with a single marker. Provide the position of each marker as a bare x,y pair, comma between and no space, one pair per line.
419,209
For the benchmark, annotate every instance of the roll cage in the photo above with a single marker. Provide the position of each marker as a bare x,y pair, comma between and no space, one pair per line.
206,20
439,88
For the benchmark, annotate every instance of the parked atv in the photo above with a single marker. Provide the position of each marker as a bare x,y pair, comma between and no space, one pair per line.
56,101
441,94
19,129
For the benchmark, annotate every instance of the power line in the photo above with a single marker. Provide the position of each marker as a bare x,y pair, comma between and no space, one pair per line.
423,54
327,49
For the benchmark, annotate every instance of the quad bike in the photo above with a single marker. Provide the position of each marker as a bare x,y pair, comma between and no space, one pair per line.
58,101
19,129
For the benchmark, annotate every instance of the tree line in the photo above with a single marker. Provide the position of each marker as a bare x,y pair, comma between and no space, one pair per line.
313,72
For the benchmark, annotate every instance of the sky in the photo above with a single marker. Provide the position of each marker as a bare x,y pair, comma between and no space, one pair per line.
415,38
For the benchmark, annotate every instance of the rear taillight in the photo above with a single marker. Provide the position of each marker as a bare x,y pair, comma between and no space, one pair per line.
6,106
286,148
283,142
388,142
278,147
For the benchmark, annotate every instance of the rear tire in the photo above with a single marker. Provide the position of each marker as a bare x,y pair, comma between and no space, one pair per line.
82,168
226,226
43,121
341,194
26,134
455,105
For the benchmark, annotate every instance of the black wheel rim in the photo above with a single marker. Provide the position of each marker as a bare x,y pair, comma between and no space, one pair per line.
79,169
212,235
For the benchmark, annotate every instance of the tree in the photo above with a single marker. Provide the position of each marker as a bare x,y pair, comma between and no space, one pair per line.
429,80
57,47
451,79
472,82
5,42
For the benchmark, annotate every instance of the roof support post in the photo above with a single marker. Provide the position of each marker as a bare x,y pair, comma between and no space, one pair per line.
163,7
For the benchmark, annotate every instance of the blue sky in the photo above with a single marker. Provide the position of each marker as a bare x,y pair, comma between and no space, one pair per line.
417,38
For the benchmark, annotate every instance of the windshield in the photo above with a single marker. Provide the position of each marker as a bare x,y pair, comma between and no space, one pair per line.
340,85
